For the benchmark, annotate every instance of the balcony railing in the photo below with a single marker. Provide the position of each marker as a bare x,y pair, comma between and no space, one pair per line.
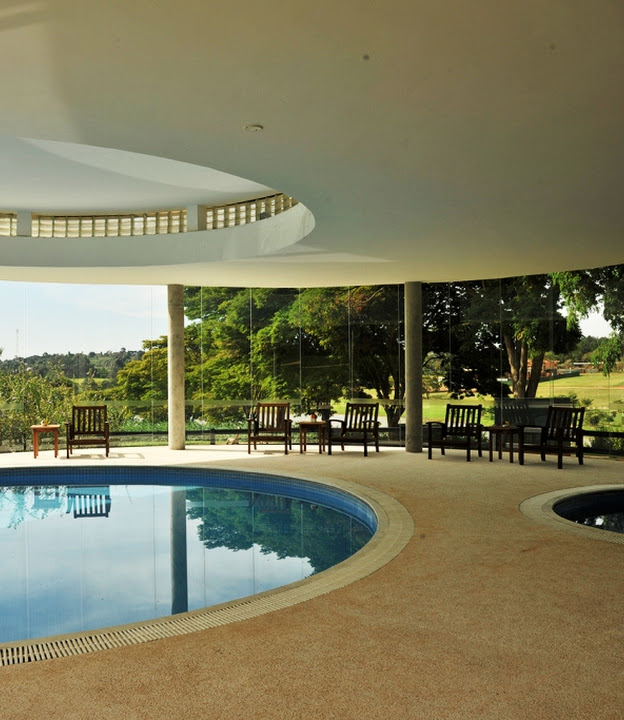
156,222
77,226
242,213
8,224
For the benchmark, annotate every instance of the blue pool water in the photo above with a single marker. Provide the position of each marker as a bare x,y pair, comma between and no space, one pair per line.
84,548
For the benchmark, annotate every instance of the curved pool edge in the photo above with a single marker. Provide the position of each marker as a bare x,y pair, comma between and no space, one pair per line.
541,509
395,529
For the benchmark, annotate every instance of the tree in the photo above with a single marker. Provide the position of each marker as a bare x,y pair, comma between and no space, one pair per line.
239,348
585,348
466,352
316,344
142,383
585,291
472,323
360,329
532,324
28,399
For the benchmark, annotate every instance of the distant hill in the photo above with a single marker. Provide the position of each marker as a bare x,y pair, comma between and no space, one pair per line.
101,365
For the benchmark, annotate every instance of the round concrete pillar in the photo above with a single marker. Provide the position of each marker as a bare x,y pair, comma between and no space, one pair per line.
175,367
413,367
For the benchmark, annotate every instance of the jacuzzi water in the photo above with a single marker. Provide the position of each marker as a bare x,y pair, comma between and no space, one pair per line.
603,509
89,548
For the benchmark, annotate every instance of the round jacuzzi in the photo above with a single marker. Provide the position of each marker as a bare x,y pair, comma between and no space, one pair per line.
603,510
595,512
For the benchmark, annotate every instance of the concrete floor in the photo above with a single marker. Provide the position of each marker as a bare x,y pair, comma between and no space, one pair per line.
485,613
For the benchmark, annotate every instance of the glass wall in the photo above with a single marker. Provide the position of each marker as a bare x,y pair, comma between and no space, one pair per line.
78,344
315,348
509,345
492,342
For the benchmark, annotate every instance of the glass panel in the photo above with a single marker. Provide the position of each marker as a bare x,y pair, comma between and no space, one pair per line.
323,318
64,345
317,348
218,361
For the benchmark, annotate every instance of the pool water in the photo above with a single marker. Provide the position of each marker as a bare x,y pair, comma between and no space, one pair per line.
601,509
90,555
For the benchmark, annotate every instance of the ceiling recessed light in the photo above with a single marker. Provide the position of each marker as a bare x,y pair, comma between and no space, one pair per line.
253,127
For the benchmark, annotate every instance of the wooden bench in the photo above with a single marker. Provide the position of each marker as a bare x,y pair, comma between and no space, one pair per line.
88,427
359,427
461,429
562,434
270,423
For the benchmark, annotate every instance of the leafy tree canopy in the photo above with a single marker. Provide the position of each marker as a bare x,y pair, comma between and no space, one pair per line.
585,291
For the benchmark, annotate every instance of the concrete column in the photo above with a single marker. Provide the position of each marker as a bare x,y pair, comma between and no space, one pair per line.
413,367
24,224
175,358
195,218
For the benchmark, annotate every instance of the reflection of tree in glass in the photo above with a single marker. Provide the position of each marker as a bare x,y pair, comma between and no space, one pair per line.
283,526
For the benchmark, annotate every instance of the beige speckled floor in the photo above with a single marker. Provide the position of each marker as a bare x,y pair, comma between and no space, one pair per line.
485,613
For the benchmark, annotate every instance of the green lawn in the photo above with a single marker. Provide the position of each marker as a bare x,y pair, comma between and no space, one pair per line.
606,393
434,406
603,396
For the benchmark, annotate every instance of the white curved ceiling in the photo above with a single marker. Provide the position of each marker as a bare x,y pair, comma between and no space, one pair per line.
430,140
47,176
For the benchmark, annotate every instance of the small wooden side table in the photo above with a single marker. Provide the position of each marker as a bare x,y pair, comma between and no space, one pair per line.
498,432
317,426
40,429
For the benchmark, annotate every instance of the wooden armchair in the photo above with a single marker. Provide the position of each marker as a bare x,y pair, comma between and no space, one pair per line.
87,502
461,429
561,435
88,426
359,427
269,423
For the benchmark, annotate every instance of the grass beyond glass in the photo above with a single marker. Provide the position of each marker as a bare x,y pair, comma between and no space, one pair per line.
603,396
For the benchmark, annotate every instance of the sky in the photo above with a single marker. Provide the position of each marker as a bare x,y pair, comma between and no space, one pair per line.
58,318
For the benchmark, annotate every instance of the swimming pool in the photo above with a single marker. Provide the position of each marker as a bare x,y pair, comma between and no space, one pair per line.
87,548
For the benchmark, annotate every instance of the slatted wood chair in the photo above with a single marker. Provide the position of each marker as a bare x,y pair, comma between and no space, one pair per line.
461,429
88,502
270,423
359,427
561,435
88,427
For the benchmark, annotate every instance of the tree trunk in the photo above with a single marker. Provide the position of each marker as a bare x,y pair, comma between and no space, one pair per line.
517,358
393,414
537,361
523,385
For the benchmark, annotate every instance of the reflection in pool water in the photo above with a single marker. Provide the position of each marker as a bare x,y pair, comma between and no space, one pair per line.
80,557
603,509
